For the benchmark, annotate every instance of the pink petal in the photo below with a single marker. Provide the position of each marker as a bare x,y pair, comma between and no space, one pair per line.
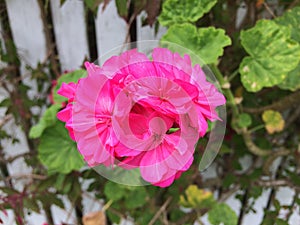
92,69
129,58
67,90
66,113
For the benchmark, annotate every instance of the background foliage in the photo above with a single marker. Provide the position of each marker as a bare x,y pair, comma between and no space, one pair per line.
257,65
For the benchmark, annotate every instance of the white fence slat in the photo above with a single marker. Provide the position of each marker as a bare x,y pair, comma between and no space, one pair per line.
111,30
147,32
70,33
28,35
27,31
29,38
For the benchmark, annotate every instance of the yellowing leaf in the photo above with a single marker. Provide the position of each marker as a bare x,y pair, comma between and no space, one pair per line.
94,218
273,121
196,198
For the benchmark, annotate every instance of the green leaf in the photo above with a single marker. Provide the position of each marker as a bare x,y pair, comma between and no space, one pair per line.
297,201
292,81
272,55
294,178
122,8
178,11
47,183
49,199
62,2
244,120
281,222
9,191
144,218
270,217
222,213
31,204
5,102
176,214
93,4
255,192
66,78
277,205
113,217
206,43
273,121
291,19
136,198
228,180
114,191
76,191
57,151
48,119
59,181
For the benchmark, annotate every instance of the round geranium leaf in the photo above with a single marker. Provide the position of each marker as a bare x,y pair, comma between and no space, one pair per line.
206,43
48,119
57,151
176,11
222,214
273,121
272,55
291,19
292,81
114,191
244,120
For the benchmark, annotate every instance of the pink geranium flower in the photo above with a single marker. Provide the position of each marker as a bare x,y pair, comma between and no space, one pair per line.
140,113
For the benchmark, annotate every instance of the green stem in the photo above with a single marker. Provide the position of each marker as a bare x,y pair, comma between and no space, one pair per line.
256,128
228,94
253,148
233,75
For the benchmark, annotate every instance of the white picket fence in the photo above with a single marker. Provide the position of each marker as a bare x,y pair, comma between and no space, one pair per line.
72,45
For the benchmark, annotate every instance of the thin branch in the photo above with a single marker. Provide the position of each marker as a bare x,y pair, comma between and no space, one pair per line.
116,212
293,117
26,176
280,105
226,195
273,157
276,183
13,158
5,120
293,4
161,210
269,9
253,148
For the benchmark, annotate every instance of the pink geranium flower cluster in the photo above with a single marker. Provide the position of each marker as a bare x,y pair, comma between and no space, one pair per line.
140,113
